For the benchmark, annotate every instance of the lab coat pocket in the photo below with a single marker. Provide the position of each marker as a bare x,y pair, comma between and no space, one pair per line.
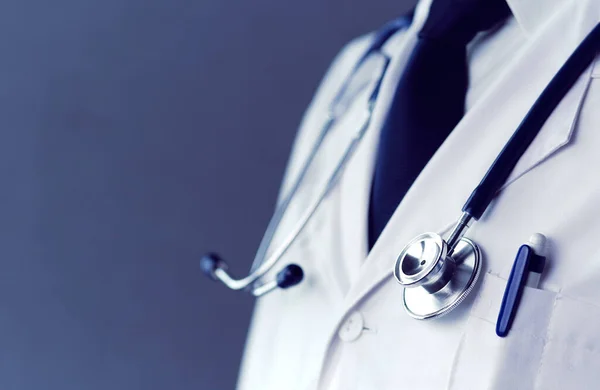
571,358
485,361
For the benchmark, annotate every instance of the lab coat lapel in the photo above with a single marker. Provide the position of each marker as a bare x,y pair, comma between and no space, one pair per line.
434,201
355,185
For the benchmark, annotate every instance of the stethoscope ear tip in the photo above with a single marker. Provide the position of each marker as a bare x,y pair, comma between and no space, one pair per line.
209,263
290,276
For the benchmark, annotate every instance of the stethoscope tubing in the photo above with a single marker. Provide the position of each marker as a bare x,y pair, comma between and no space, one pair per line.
263,263
427,275
284,204
531,125
281,249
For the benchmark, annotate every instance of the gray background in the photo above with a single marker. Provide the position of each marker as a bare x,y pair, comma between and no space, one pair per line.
137,134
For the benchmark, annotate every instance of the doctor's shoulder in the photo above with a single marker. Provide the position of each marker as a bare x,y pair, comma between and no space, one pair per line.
316,114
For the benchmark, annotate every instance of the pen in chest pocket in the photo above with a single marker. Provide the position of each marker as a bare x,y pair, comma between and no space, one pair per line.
526,271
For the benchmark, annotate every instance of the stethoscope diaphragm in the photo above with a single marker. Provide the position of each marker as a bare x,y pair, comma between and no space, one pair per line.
436,278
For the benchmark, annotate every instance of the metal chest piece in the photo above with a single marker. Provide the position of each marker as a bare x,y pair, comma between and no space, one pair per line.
435,281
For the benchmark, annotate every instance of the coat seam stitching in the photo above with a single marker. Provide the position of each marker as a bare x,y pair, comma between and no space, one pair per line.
546,341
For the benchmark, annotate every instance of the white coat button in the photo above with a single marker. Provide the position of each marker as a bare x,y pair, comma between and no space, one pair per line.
352,328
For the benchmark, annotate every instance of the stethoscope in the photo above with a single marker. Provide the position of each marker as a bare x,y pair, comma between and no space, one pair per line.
355,85
437,274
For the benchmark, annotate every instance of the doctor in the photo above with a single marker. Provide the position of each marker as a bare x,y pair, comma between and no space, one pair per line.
461,77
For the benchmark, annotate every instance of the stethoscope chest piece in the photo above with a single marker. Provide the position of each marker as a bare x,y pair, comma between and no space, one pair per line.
434,280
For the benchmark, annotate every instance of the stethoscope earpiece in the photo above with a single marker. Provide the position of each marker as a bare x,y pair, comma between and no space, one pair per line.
290,276
210,263
215,268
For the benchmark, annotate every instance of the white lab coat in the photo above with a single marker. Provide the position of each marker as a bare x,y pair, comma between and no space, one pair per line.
344,327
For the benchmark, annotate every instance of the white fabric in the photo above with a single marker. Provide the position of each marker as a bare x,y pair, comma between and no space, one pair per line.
306,337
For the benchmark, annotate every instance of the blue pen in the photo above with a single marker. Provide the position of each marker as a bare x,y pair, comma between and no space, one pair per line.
526,271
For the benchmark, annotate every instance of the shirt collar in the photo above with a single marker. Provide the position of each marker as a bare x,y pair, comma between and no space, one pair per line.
533,14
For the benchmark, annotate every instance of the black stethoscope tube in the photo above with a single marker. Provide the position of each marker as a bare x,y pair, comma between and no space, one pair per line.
531,125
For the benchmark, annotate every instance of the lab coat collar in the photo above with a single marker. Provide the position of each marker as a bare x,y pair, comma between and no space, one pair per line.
529,14
434,201
532,14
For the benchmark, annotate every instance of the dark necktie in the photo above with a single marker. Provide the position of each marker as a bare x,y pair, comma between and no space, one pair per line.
429,100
